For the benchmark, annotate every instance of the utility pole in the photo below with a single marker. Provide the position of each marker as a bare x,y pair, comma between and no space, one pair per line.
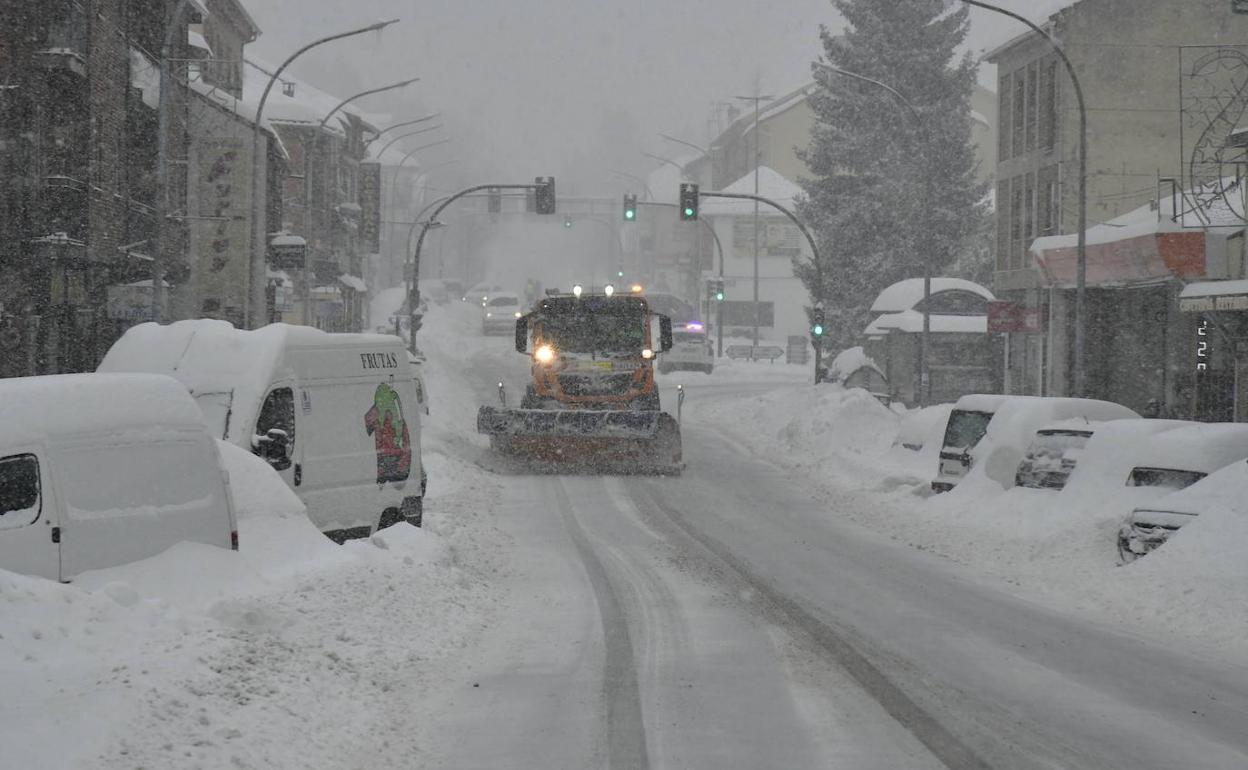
757,99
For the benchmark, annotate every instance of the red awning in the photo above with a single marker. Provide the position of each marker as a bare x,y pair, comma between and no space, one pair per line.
1138,259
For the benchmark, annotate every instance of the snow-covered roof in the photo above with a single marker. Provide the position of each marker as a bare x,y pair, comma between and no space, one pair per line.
1040,12
911,322
778,105
1214,289
34,409
849,361
771,184
907,293
353,281
308,104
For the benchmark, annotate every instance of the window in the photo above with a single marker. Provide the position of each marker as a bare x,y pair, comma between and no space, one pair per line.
278,412
1004,104
1020,112
1048,105
1171,478
1016,222
1003,225
1046,201
1033,75
1029,214
965,428
19,491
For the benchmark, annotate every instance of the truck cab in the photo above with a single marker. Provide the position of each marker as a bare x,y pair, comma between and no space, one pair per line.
593,351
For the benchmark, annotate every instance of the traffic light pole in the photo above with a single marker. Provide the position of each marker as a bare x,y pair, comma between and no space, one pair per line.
413,296
719,249
814,250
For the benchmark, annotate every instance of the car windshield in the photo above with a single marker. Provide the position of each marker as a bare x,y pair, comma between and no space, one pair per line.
688,337
966,428
503,302
1051,457
1170,478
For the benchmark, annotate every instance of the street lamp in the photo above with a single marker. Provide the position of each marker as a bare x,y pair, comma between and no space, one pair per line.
637,179
307,182
1081,272
404,124
925,380
668,161
408,135
255,266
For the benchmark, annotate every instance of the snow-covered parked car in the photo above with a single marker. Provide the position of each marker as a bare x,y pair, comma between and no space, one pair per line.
100,470
1204,481
992,432
1053,454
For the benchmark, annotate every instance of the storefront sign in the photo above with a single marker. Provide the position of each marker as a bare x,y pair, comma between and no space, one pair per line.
1011,317
370,208
131,302
1206,304
777,238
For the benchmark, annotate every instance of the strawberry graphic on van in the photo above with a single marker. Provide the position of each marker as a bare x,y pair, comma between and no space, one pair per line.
385,423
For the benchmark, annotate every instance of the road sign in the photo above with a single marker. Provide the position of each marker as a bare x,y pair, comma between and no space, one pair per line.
1012,317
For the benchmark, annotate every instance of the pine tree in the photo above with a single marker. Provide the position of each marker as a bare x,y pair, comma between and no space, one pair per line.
870,160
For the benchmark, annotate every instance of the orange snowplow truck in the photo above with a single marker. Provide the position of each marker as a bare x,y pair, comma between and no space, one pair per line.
593,400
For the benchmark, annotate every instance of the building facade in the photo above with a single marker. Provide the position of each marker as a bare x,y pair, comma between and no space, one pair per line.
1130,57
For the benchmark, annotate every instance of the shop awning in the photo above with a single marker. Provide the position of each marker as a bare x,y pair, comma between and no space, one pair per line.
354,282
911,322
1204,296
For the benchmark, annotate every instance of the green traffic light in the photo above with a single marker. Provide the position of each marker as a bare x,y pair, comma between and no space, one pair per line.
719,295
619,274
818,331
688,211
630,214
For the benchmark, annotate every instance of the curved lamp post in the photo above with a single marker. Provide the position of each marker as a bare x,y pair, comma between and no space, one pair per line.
925,379
404,124
1081,272
255,268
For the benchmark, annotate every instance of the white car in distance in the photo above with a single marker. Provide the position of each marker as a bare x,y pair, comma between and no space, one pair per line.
499,313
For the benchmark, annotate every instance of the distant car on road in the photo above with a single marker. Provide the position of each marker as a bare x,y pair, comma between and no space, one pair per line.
691,350
1053,454
500,312
481,293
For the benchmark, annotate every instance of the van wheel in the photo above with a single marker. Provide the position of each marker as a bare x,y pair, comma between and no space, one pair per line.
413,510
389,518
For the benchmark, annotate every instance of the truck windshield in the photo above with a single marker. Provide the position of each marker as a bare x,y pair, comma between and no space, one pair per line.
600,332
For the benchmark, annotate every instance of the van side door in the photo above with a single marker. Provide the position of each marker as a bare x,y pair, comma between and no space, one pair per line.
29,531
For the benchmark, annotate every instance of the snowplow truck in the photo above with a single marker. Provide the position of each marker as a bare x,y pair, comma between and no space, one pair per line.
593,402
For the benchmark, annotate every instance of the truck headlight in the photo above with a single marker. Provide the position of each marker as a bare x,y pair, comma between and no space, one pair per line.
544,354
647,354
518,314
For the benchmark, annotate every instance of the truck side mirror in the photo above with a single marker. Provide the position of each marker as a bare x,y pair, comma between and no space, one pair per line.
274,447
522,334
665,333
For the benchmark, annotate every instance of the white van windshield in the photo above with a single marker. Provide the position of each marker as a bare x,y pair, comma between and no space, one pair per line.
966,428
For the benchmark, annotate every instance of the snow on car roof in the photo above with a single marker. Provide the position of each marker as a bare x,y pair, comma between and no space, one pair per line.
34,409
212,356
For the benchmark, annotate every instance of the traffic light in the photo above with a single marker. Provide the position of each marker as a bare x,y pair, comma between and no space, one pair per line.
630,208
817,319
619,273
567,222
719,290
688,201
545,194
496,200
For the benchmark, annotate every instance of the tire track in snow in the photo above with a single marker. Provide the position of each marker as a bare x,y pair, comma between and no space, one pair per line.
938,739
626,729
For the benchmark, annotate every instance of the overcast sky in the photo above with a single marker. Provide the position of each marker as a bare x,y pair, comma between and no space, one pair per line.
568,87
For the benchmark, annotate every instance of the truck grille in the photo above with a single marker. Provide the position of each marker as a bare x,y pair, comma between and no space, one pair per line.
598,385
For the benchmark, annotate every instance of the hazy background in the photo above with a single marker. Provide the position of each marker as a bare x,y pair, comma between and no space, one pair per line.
566,87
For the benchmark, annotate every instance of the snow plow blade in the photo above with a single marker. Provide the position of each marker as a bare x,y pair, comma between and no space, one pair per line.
600,440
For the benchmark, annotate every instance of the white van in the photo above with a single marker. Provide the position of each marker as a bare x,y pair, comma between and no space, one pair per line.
335,414
100,470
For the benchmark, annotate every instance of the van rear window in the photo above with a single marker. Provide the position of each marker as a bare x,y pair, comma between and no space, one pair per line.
1170,478
19,491
966,428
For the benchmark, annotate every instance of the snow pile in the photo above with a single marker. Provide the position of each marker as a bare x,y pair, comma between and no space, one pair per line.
849,361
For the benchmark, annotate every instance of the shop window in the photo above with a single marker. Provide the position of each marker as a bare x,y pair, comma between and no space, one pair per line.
19,491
